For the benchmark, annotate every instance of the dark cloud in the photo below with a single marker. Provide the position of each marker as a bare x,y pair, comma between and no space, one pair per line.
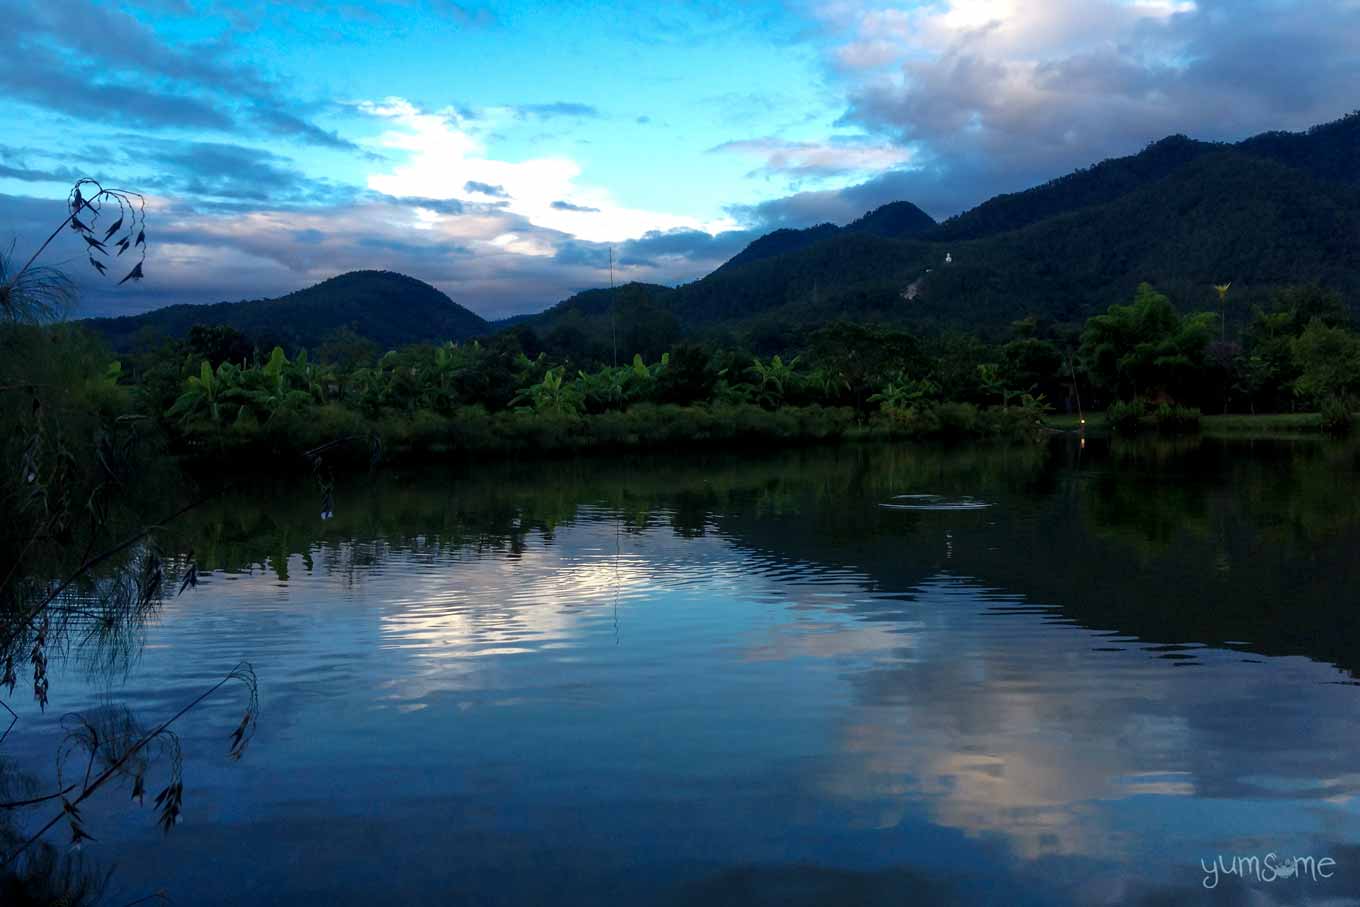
222,170
691,246
485,189
447,206
37,176
281,122
568,206
40,77
936,190
101,64
1067,83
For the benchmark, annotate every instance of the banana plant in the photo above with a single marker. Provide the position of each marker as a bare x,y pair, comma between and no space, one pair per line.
272,390
992,382
210,393
902,393
551,396
604,390
451,363
830,383
372,386
313,379
777,378
643,378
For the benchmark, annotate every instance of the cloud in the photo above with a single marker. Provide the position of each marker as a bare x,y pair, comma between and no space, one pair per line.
101,64
840,155
444,155
673,248
485,189
15,165
557,109
997,95
223,170
494,261
568,206
281,122
40,77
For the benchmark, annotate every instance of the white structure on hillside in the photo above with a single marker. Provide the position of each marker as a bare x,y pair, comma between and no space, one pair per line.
949,258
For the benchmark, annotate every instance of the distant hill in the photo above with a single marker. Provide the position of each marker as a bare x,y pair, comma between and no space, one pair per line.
1222,216
1096,185
896,220
1276,209
781,242
388,308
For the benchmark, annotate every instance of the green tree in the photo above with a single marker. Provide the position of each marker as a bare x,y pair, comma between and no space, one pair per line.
1146,347
1328,359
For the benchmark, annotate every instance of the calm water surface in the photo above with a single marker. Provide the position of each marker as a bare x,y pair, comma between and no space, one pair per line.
744,681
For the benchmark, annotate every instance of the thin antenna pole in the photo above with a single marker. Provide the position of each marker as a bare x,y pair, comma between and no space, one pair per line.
1081,416
613,307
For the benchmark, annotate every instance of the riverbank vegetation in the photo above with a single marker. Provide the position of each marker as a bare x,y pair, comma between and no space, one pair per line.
215,397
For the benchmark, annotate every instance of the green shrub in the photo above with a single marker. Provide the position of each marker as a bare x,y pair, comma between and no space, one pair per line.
1123,417
1337,418
1173,418
959,420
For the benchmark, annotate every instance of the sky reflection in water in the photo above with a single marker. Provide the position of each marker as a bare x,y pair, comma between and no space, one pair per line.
746,682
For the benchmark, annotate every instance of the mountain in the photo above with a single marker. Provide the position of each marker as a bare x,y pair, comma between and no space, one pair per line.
1096,185
388,308
1273,210
896,220
781,242
1276,209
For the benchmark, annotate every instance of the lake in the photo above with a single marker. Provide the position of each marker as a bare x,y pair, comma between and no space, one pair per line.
1086,673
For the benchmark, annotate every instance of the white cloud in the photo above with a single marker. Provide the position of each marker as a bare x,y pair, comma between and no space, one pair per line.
444,155
820,158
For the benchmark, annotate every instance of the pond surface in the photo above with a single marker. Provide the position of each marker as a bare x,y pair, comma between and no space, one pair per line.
762,681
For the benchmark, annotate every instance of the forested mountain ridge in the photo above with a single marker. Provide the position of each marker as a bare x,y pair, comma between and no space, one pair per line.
387,308
1273,210
1183,215
895,220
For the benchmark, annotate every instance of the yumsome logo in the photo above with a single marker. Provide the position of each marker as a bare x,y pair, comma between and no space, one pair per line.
1269,868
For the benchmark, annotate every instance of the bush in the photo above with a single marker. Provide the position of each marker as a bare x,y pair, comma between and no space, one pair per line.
1171,418
1123,417
1337,418
960,420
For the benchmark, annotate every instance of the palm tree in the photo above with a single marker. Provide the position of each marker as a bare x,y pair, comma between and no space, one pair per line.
1222,290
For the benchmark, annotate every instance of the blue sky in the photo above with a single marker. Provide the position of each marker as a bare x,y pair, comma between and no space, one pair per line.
499,150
